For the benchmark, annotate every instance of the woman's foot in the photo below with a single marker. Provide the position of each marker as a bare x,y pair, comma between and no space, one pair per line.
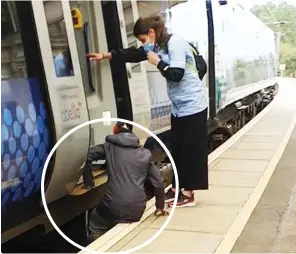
170,195
184,201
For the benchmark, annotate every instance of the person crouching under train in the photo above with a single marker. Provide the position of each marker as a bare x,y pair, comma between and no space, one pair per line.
129,166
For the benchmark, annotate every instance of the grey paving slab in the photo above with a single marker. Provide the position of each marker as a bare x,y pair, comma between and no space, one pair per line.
128,238
261,139
271,123
256,146
187,242
249,154
265,132
274,122
234,178
240,165
196,219
213,164
224,195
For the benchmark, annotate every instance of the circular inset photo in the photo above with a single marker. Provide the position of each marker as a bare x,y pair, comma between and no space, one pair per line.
114,184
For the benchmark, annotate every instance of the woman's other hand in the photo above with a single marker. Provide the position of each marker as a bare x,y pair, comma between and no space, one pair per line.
153,58
161,212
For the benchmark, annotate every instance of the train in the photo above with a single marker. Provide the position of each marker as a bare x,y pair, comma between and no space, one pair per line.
48,87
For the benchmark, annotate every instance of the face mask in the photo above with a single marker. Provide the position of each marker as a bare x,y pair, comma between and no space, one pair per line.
148,46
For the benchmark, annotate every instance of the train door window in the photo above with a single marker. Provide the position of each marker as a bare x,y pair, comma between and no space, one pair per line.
129,25
58,39
25,113
13,63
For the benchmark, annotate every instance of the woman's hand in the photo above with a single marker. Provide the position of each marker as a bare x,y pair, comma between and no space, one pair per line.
153,58
161,212
98,56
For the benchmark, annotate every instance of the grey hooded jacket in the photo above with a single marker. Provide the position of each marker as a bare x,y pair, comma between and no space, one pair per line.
129,166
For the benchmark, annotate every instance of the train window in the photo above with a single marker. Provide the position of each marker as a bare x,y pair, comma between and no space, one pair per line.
129,22
129,25
58,38
25,115
13,64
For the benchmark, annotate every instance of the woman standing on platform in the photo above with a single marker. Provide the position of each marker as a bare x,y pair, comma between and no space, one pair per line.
173,57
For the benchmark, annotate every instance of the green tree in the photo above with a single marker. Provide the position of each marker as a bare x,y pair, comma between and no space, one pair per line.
281,18
288,57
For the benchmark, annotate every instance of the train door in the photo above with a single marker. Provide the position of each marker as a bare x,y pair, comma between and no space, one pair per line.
90,36
57,43
138,84
26,124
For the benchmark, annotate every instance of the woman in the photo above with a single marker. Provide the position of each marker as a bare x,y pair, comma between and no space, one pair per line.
173,57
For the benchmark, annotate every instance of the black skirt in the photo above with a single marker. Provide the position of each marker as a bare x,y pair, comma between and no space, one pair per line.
190,150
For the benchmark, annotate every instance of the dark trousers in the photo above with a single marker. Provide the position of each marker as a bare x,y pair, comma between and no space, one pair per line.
98,225
87,174
190,150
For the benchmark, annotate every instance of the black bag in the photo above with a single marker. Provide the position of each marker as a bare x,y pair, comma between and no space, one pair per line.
201,64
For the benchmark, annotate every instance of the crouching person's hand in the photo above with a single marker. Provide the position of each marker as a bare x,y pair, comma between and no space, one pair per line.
161,212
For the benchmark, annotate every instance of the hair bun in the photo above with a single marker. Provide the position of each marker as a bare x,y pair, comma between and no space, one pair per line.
159,20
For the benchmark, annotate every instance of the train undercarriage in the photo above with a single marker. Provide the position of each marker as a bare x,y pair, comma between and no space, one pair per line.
236,115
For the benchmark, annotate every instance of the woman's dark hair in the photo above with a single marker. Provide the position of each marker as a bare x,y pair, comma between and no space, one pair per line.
157,23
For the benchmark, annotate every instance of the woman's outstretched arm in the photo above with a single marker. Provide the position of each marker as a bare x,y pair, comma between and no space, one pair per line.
129,55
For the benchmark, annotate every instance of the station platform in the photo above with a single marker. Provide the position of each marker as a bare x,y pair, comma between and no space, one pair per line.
240,170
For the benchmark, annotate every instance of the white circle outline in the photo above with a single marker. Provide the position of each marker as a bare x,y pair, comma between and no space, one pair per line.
98,121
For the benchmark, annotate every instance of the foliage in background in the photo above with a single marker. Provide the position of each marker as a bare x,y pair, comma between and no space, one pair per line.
270,14
252,71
